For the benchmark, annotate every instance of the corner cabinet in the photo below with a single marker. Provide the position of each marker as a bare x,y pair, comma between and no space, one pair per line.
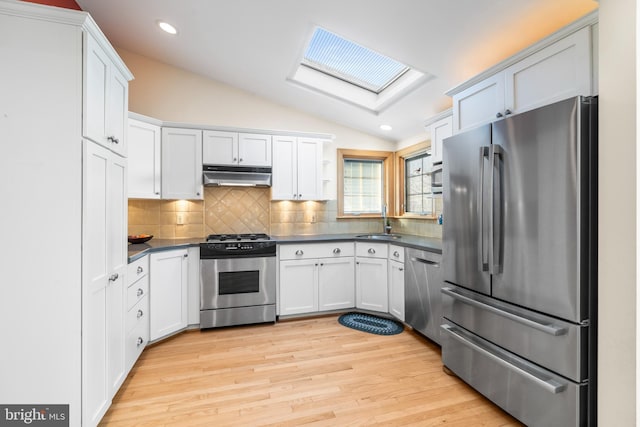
551,72
144,160
182,163
168,282
297,168
315,277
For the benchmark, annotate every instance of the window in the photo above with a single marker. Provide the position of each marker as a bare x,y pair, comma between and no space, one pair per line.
351,62
417,185
362,186
342,69
365,179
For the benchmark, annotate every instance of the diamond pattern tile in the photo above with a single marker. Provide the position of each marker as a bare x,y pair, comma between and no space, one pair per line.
236,210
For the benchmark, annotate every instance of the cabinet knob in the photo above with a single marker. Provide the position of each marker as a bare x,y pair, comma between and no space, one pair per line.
396,254
198,193
113,277
321,264
498,115
157,193
401,269
140,292
337,251
235,159
299,196
299,252
295,196
240,159
507,112
140,269
371,251
140,314
139,341
186,255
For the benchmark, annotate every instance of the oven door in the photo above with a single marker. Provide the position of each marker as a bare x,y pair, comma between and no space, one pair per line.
237,282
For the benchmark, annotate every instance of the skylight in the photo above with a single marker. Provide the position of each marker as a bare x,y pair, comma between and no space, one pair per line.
351,62
344,70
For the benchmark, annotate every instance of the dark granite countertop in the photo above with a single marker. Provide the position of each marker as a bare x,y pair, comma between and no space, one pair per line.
418,242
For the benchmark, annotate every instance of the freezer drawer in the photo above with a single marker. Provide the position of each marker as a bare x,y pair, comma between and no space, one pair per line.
533,395
555,344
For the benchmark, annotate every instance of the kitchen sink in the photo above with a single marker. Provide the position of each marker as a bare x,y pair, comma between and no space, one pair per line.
379,236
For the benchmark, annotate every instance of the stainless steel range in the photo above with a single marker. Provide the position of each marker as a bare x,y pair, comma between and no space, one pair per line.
237,280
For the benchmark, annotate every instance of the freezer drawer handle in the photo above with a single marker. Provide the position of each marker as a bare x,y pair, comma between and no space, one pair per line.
550,385
425,261
549,329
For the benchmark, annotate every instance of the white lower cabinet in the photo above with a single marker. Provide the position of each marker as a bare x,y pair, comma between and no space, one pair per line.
396,289
316,277
371,277
168,302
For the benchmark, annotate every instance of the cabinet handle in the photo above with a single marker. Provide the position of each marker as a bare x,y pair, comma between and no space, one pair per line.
321,264
113,139
401,269
186,255
157,193
498,115
240,159
396,254
371,251
299,252
337,251
140,292
140,341
113,277
235,159
140,269
140,314
507,112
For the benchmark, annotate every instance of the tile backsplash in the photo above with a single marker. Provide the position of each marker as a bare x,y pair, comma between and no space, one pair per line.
250,210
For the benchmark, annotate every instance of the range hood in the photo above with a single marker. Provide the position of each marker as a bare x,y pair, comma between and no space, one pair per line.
236,176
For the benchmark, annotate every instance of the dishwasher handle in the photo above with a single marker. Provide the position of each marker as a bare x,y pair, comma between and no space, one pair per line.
425,261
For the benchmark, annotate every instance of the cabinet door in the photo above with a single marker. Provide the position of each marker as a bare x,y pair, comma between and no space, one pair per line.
254,149
181,163
439,131
168,299
117,108
95,233
96,82
336,283
219,148
117,261
554,73
144,160
371,284
298,286
479,104
396,289
309,169
284,178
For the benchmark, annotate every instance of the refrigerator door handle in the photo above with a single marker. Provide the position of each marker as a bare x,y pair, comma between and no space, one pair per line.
483,260
495,215
546,328
549,385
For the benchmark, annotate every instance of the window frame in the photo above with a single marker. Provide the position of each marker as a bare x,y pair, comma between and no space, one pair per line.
388,179
401,157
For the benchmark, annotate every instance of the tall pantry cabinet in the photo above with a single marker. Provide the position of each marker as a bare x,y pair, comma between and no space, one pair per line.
63,217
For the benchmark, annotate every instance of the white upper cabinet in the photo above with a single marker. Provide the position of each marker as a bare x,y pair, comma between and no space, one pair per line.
439,130
144,160
236,149
559,70
181,163
106,97
297,168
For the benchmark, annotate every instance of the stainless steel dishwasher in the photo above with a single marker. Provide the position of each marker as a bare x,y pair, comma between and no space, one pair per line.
422,298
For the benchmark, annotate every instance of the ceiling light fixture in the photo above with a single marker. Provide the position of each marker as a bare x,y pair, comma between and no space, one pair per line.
168,28
386,127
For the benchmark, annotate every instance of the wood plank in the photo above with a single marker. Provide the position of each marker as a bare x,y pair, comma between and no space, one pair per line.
311,371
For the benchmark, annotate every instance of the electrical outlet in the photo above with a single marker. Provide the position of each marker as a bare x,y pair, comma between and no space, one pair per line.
180,219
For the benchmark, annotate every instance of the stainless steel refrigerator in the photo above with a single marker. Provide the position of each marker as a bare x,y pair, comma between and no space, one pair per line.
520,260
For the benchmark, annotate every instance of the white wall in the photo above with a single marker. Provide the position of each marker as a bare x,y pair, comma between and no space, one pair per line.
617,215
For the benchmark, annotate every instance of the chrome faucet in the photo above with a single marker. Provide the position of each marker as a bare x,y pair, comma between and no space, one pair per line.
384,218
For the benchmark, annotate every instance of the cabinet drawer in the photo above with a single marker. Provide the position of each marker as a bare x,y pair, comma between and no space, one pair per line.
396,253
137,291
372,250
316,250
135,342
139,313
137,269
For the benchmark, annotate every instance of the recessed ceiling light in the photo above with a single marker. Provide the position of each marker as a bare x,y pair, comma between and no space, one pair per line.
166,27
385,127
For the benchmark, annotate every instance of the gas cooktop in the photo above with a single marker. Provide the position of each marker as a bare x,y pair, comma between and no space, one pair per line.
237,237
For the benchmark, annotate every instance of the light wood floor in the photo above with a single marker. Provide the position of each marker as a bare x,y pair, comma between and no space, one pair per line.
311,372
